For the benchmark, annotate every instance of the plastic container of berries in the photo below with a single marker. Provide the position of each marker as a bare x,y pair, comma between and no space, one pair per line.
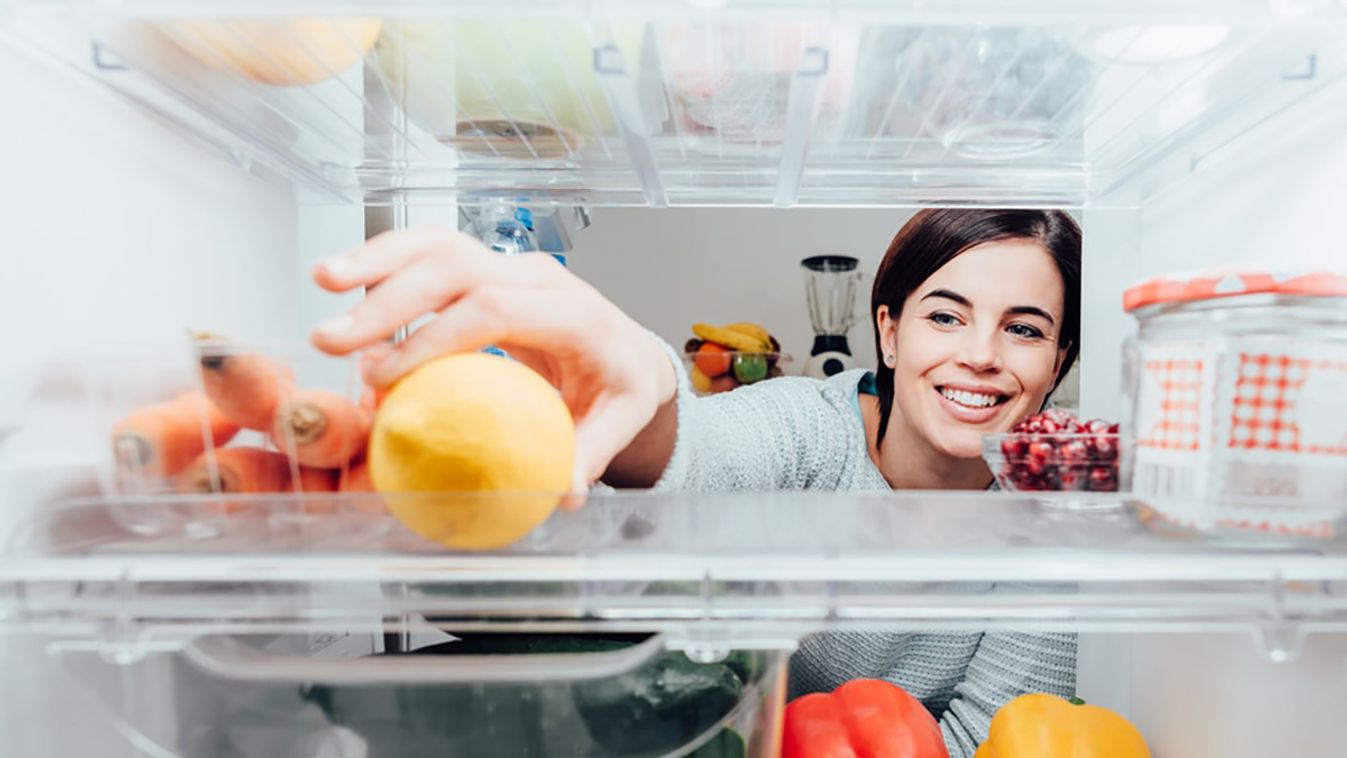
1056,452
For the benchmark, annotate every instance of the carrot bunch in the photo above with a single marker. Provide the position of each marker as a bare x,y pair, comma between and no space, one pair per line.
319,436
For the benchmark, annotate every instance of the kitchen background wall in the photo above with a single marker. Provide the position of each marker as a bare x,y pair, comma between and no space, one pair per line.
669,268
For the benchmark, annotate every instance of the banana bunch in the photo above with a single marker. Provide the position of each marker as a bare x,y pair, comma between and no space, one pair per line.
725,357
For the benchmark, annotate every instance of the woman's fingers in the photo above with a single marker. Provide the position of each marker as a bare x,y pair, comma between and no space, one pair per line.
469,325
542,319
426,285
370,357
385,254
430,281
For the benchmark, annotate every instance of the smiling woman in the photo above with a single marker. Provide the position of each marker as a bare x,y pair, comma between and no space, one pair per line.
976,317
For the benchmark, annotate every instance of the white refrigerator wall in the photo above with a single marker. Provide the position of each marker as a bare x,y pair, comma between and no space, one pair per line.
1270,200
115,228
118,229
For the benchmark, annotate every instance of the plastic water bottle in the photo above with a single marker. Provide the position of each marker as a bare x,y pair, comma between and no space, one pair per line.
509,231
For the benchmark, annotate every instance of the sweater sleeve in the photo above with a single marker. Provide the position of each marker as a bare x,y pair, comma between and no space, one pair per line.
1006,665
775,435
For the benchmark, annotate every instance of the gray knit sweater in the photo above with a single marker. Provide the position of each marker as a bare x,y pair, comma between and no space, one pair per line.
805,434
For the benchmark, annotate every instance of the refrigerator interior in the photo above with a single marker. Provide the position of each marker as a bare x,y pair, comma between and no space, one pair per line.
149,192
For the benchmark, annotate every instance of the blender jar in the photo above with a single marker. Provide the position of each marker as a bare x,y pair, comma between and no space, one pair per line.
830,291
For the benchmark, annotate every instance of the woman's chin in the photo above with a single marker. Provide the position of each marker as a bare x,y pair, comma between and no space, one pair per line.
963,444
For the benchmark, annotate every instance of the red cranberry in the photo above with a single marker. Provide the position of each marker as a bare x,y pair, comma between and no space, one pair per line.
1074,451
1042,451
1058,416
1103,448
1014,447
1072,479
1102,479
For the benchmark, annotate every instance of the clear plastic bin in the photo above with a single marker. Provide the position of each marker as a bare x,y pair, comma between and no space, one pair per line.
166,461
638,104
472,694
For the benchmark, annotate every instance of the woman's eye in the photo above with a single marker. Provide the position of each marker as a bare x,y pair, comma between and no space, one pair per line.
1026,331
944,319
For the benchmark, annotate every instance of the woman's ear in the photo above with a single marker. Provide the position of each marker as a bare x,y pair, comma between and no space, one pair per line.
887,325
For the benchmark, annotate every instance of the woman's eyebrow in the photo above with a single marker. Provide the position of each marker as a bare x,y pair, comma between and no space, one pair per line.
949,295
1015,310
1029,310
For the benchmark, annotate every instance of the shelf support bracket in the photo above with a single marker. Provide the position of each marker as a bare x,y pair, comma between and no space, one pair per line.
626,105
802,106
104,61
1311,69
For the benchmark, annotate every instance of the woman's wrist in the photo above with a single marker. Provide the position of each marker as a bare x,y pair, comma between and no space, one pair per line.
664,370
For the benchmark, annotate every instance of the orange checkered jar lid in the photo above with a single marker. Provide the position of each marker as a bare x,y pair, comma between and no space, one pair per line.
1211,285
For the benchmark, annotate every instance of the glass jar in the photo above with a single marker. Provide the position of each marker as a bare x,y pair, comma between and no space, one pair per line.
1237,393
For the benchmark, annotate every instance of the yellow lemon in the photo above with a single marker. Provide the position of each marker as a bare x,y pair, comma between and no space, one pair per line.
278,51
490,436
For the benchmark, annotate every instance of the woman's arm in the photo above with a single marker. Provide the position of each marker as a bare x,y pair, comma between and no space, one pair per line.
1006,665
778,435
638,423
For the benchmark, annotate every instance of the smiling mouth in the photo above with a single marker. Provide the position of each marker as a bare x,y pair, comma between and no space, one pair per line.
971,400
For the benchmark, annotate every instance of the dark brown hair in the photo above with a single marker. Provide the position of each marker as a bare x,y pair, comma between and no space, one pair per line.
934,237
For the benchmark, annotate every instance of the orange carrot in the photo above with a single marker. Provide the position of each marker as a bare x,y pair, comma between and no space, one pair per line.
246,470
355,480
162,439
312,480
245,386
321,428
317,479
252,470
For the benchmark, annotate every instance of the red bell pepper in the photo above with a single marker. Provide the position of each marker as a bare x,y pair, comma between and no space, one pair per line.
864,718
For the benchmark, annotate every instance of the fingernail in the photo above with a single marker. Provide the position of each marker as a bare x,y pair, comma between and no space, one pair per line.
337,324
337,266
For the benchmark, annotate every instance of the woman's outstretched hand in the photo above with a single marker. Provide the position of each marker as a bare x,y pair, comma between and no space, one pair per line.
611,372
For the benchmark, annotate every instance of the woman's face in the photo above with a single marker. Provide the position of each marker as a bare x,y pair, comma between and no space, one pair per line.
975,346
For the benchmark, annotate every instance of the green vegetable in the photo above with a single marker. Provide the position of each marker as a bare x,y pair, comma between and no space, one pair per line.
655,709
750,368
659,706
727,744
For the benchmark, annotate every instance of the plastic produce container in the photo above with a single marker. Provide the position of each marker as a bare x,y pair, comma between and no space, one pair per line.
480,695
1054,462
1238,395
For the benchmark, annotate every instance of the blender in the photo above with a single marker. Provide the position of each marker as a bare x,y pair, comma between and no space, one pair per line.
830,289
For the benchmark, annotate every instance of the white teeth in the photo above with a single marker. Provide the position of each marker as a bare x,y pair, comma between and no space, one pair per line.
970,399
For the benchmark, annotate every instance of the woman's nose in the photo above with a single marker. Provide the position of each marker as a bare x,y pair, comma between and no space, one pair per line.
979,352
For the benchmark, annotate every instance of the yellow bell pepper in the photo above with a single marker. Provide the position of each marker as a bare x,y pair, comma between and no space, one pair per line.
1047,726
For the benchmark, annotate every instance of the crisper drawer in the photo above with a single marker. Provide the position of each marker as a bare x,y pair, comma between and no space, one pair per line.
480,694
